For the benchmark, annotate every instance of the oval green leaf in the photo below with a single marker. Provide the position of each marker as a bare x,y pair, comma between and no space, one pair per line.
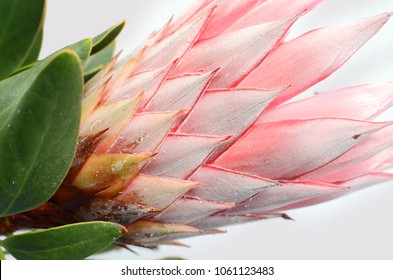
101,58
105,38
21,69
88,75
35,50
39,122
70,242
82,49
20,25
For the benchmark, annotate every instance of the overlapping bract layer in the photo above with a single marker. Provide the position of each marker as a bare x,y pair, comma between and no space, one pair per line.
193,134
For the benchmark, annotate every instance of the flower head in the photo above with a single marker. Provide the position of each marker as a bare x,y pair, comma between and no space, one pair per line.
197,129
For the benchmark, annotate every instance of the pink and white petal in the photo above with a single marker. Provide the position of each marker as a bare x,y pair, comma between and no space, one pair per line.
156,36
145,132
239,108
292,148
354,184
236,53
368,179
180,93
113,118
188,210
272,10
226,13
227,186
175,46
147,82
180,155
234,15
359,102
150,233
120,72
216,221
374,144
154,192
312,57
381,160
192,13
285,196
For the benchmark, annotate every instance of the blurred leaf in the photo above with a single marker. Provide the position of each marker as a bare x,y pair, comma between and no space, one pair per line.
70,242
105,38
39,123
2,256
97,61
173,259
20,25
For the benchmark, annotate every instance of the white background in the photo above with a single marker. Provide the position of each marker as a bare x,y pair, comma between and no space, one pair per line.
359,226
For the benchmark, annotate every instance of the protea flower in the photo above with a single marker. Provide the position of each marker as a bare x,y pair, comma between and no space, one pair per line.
197,130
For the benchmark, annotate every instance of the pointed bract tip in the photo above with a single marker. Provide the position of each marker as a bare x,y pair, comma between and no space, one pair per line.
216,70
125,246
214,231
286,217
151,155
225,138
181,112
123,228
175,243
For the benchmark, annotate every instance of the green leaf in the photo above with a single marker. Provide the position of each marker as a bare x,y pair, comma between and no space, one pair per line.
70,242
20,23
88,75
97,61
101,58
2,256
105,38
21,69
82,48
35,51
39,122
